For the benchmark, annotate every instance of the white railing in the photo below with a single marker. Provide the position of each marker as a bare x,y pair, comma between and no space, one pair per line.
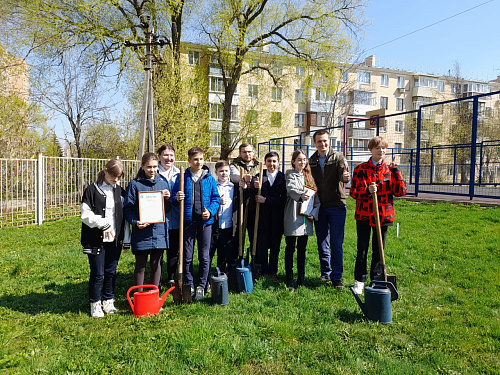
48,188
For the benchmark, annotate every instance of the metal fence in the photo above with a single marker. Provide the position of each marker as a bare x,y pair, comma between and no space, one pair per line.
450,147
48,188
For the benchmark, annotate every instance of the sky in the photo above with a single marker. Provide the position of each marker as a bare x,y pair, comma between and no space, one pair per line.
441,32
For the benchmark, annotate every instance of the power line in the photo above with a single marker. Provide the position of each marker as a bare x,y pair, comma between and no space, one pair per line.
426,27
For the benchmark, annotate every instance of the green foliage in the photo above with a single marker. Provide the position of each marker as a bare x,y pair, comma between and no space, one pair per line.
308,32
445,322
104,141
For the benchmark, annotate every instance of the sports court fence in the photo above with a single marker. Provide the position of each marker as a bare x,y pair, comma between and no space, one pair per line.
449,147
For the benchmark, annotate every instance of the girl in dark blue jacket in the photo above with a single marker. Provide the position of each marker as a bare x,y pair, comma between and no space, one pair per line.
147,238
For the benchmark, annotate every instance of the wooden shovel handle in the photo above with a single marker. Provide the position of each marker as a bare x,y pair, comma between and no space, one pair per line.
257,211
180,263
379,231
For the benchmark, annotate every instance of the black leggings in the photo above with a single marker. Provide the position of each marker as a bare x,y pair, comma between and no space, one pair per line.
141,259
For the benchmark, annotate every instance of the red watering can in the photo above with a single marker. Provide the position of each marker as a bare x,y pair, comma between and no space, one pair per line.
147,302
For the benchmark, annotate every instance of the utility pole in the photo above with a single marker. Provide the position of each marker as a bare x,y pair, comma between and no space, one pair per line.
147,115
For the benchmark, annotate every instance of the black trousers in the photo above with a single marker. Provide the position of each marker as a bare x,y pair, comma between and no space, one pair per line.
301,242
172,253
364,229
222,243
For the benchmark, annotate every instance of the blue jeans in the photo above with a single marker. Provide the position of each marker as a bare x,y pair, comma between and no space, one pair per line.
103,272
330,235
203,235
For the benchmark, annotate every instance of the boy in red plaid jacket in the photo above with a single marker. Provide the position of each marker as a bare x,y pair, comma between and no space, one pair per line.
388,183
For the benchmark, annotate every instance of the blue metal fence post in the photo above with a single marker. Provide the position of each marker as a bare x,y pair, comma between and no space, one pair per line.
473,149
454,164
481,163
432,165
283,155
417,159
411,165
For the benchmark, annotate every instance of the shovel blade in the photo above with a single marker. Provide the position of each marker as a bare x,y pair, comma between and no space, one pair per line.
182,294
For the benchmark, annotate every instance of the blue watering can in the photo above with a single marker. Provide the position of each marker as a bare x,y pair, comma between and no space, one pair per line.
244,278
220,290
378,298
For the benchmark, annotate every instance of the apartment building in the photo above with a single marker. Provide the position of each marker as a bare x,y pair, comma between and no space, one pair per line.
304,101
13,75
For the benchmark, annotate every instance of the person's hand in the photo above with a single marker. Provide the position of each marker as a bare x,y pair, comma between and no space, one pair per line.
260,199
165,193
310,217
393,164
223,200
248,178
304,196
346,176
206,214
141,225
108,234
242,183
372,188
256,183
180,196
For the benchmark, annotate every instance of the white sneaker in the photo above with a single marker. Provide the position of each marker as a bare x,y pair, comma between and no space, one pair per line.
96,310
200,293
358,287
108,306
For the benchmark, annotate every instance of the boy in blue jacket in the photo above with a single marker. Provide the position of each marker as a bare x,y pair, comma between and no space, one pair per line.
201,202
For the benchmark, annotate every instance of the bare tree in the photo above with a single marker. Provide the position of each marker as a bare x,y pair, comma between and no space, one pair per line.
75,92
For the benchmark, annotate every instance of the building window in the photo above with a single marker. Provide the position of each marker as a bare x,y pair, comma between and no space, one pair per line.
399,104
384,100
322,96
253,91
216,111
252,116
364,77
299,96
365,98
401,82
398,146
300,71
344,76
276,93
398,126
234,113
441,86
342,98
299,120
384,80
278,69
323,120
276,119
216,84
253,65
216,139
193,57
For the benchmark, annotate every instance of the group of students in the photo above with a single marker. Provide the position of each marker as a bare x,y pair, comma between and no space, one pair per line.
211,216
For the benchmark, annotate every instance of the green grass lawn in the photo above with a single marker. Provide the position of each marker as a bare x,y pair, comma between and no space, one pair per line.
446,321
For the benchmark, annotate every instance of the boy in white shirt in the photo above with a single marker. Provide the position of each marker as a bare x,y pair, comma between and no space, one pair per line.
223,229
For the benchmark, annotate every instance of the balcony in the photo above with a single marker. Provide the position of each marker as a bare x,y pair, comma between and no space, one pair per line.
361,133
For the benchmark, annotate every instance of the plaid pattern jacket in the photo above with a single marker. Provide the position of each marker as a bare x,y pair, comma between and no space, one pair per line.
389,184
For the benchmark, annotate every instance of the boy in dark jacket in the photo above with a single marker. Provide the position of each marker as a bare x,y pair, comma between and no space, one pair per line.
388,183
271,215
201,204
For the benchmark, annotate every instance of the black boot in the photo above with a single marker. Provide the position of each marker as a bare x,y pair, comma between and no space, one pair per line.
301,281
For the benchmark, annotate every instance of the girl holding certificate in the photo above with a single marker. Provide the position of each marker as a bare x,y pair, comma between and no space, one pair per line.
298,227
148,238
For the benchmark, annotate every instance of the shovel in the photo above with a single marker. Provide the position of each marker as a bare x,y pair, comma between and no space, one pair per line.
257,268
181,293
380,269
241,232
